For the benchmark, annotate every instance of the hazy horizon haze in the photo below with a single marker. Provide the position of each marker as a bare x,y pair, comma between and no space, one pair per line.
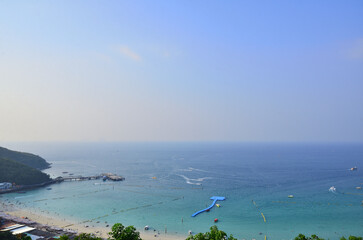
262,71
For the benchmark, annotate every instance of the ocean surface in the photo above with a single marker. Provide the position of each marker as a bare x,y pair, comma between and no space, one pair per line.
167,182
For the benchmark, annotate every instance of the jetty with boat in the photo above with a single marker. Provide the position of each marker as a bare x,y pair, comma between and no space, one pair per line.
104,176
112,177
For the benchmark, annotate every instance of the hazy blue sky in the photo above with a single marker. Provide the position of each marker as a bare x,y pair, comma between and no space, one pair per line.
181,70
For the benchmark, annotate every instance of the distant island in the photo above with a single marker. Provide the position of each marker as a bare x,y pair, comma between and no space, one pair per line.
19,170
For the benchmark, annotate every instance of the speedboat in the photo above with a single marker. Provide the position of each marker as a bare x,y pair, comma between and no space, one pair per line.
332,189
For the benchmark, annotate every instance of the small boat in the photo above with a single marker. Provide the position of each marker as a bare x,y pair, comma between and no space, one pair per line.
153,177
358,187
216,220
146,227
64,172
332,189
290,196
190,232
353,169
218,205
49,188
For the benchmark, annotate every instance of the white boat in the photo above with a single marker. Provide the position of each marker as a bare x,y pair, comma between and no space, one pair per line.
332,189
353,169
146,227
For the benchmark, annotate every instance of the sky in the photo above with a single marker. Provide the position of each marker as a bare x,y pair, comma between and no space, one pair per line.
187,70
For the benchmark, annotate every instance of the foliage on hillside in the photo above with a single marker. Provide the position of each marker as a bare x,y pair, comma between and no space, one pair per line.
351,238
10,236
14,172
28,159
119,232
302,237
214,234
82,236
315,237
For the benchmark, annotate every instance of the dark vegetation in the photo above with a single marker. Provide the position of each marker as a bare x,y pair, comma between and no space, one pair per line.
119,232
10,236
213,234
20,174
28,159
82,236
315,237
351,238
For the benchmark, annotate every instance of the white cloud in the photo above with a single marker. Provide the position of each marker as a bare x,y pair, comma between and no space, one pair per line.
126,51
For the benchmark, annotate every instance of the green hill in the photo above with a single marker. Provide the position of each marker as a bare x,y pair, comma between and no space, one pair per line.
15,172
28,159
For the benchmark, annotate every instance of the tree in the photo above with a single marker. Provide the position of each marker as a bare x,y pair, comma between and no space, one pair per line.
213,234
9,236
87,236
302,237
119,232
64,237
23,237
352,238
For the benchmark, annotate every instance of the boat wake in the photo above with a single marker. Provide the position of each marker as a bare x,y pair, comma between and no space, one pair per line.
24,196
196,181
190,169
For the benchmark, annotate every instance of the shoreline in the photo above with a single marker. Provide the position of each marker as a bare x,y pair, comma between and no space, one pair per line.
44,221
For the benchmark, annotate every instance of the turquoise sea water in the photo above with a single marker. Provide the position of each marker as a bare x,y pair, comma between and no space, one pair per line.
254,178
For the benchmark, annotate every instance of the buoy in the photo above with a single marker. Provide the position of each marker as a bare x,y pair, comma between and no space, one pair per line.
264,219
216,220
218,205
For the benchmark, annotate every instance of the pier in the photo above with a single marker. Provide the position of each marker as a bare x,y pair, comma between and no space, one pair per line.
104,176
79,178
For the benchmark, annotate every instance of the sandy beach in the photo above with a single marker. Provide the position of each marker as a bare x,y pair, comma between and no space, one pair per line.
11,212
